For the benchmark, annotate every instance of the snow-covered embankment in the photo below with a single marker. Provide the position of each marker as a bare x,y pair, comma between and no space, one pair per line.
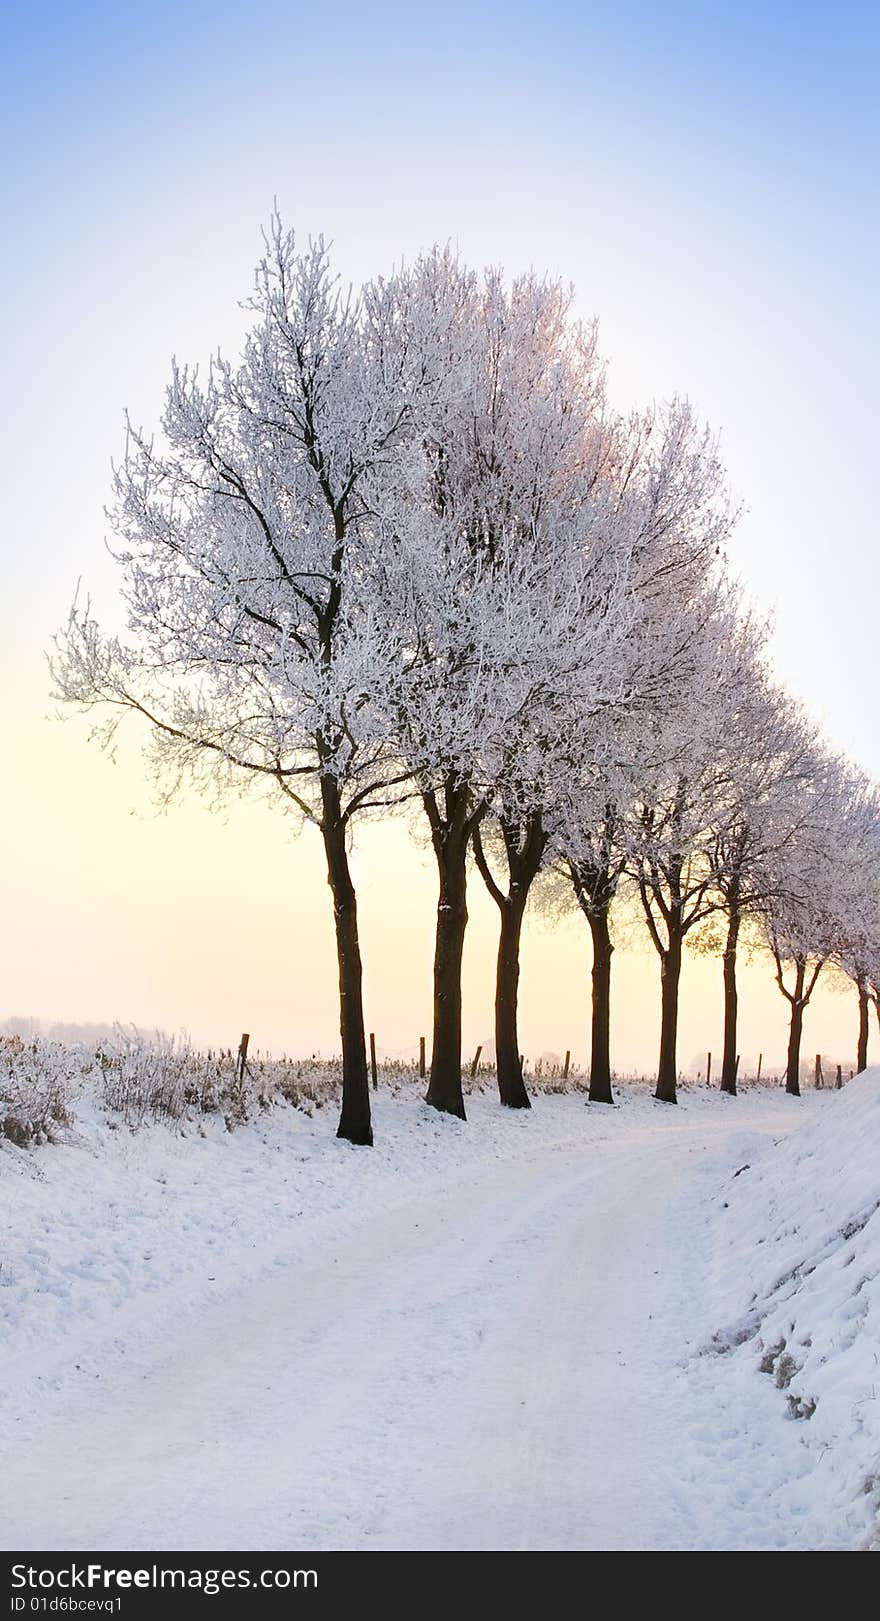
794,1286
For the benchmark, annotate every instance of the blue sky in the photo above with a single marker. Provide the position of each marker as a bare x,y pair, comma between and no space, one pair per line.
706,175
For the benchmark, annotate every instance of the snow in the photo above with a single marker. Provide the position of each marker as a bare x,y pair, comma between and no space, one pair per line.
796,1277
539,1330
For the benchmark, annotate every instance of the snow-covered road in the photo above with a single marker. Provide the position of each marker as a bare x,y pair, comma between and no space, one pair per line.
502,1359
481,1366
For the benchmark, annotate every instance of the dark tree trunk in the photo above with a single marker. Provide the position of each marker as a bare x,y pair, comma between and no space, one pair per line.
600,1035
862,1055
793,1065
595,884
524,843
728,1061
450,835
354,1124
511,1087
670,974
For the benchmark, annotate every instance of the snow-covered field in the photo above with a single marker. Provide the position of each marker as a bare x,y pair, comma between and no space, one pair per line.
530,1331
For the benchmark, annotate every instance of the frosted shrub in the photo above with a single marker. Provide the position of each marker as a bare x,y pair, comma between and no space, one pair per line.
158,1078
139,1080
36,1083
164,1079
308,1084
149,1079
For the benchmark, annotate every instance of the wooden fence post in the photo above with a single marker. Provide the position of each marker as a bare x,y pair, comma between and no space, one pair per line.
736,1067
708,1069
565,1065
422,1057
760,1060
242,1057
476,1063
839,1081
373,1061
819,1077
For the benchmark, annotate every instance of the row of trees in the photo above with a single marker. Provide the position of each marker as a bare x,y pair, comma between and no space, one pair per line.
406,551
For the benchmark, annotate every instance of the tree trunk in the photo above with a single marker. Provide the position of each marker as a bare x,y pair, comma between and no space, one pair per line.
354,1124
793,1066
450,846
524,842
511,1087
600,1033
862,1058
670,973
728,1061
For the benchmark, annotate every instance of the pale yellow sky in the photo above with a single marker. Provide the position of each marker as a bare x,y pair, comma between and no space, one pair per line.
212,924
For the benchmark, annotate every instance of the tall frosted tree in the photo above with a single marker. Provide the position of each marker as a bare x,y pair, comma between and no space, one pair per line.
250,534
669,488
585,865
681,801
505,576
532,782
801,914
769,751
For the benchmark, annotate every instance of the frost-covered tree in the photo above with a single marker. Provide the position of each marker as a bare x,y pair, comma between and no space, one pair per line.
586,853
671,486
805,899
535,780
769,753
858,892
250,536
510,598
543,770
685,797
652,514
486,663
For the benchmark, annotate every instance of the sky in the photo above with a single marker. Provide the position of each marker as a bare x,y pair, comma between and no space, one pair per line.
705,175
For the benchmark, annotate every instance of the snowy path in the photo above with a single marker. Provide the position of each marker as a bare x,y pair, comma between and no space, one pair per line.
497,1362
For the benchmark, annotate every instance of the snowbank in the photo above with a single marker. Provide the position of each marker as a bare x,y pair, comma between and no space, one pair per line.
795,1290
